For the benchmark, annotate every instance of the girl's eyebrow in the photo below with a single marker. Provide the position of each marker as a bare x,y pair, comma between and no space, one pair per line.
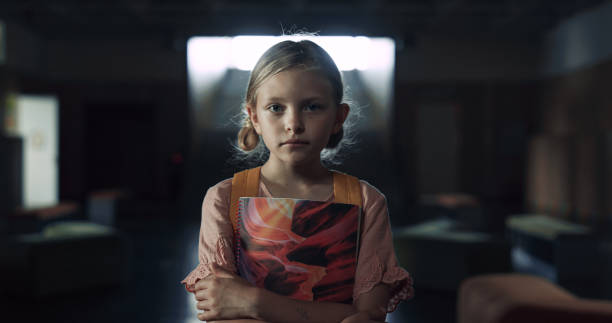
305,100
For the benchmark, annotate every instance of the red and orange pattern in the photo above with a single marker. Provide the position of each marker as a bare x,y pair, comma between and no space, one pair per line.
303,249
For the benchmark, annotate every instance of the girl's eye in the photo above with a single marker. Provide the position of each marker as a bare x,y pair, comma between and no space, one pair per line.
275,108
312,107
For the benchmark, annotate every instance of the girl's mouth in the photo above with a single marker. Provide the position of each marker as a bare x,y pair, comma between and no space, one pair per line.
294,142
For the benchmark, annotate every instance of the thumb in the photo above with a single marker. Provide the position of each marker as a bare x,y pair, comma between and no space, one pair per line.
221,272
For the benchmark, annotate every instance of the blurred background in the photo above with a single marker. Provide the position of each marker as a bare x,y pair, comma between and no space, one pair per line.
487,125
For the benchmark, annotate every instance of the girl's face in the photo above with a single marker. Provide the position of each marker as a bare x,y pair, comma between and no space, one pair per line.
296,114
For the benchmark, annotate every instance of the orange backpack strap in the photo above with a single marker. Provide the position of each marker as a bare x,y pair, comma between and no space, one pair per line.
347,189
244,184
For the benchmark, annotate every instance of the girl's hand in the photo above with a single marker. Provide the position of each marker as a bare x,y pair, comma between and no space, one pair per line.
224,295
359,317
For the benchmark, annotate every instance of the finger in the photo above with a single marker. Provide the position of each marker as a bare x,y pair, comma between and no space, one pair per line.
203,283
211,315
203,317
201,295
207,305
357,317
203,305
351,318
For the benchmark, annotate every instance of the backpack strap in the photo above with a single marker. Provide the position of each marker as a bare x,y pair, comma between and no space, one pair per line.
244,183
347,189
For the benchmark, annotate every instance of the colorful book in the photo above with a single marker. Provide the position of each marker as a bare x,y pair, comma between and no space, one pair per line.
303,249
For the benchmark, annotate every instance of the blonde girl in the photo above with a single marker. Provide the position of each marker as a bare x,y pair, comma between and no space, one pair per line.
294,109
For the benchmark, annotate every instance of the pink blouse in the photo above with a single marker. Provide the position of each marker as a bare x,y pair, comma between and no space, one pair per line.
376,263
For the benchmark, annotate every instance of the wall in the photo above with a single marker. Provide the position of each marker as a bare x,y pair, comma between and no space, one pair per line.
434,58
571,148
24,49
106,72
569,171
580,42
492,86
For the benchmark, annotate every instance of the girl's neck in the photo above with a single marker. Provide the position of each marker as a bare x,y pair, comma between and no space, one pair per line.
309,183
284,174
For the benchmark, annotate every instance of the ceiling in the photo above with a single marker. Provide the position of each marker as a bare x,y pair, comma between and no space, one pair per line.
66,19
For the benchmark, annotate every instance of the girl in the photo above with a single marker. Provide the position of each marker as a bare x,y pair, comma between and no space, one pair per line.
294,104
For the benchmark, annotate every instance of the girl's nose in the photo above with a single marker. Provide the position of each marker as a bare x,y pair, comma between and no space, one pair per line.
294,122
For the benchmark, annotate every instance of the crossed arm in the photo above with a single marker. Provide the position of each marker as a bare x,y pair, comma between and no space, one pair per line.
225,296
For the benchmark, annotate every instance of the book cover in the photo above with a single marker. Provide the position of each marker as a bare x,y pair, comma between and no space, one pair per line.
303,249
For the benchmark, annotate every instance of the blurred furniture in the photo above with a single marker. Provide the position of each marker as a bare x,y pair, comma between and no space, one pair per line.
505,298
65,256
441,253
565,253
457,206
35,219
103,207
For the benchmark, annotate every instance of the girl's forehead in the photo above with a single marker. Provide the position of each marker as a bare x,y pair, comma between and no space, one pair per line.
296,82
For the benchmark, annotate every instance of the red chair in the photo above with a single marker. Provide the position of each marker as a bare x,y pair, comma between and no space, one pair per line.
505,298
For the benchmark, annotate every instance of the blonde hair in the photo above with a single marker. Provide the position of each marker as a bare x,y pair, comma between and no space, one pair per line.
283,56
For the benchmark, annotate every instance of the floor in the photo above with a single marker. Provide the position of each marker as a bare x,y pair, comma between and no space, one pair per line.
163,251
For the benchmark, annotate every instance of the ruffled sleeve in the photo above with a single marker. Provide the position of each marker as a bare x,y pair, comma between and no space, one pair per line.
377,262
216,235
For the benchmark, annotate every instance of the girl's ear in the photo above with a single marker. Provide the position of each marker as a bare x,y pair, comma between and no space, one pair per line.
343,111
252,111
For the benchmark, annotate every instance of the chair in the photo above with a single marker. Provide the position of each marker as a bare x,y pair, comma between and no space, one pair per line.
505,298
